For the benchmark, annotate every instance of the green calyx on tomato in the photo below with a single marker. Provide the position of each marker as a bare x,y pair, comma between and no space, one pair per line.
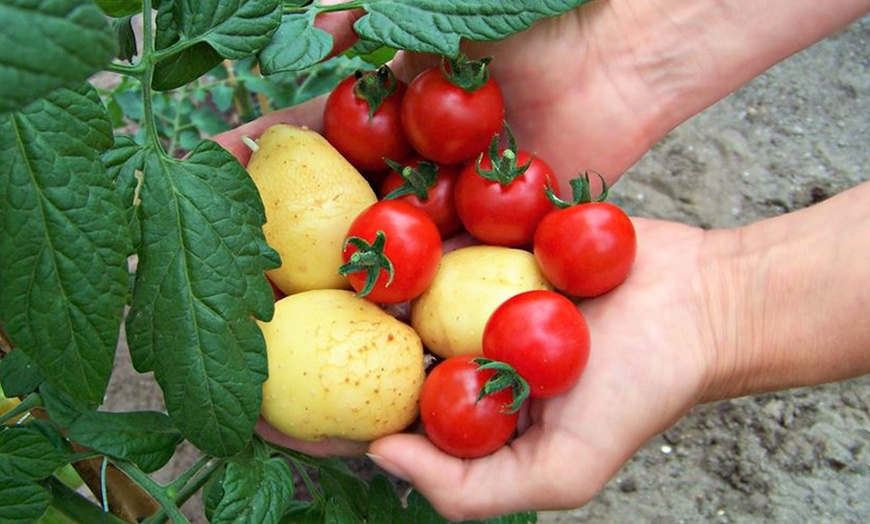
469,75
505,377
504,167
374,87
369,258
418,179
581,192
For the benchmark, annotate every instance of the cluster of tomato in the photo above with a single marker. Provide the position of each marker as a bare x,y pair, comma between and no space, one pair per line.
434,152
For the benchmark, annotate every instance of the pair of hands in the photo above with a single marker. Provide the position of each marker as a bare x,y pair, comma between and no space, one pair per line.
590,90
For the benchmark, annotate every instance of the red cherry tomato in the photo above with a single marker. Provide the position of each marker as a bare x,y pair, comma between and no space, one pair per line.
507,212
446,123
543,336
362,119
587,249
453,417
440,201
391,234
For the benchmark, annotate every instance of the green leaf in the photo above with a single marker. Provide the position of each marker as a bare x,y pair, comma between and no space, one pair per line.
122,28
200,280
437,26
63,240
420,511
124,164
339,481
26,452
255,491
22,501
145,438
62,408
47,45
120,8
384,504
296,45
19,374
234,28
184,67
339,511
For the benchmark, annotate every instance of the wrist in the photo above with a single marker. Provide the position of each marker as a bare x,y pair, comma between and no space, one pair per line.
783,300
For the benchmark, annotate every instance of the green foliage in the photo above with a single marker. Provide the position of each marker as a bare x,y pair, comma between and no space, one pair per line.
115,207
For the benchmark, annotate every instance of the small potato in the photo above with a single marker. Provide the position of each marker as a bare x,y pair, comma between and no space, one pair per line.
311,194
339,366
471,282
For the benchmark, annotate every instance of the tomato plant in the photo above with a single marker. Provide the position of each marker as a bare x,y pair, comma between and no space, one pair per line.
467,409
133,174
427,186
391,252
502,197
451,112
543,336
362,119
586,248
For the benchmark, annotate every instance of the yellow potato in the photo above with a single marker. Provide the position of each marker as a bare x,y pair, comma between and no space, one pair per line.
471,282
339,366
311,195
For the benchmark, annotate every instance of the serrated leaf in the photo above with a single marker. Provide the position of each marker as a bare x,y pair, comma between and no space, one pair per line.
339,481
28,453
22,501
19,374
199,283
185,67
146,438
124,163
63,240
437,26
255,491
62,408
234,28
297,44
47,45
339,511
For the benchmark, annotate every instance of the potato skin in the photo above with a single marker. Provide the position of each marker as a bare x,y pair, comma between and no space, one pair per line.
470,283
311,194
339,366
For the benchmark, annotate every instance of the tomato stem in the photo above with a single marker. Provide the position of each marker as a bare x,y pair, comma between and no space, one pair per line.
469,75
374,87
505,377
504,168
581,192
370,258
418,179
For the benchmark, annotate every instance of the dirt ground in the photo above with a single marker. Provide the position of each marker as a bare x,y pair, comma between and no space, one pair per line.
794,136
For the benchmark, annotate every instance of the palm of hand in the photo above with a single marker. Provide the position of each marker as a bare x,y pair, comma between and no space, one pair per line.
646,369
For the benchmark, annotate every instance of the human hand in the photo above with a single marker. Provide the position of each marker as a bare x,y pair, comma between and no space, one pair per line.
650,363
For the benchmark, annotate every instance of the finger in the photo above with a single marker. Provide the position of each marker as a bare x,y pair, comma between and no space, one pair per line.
326,448
340,25
530,474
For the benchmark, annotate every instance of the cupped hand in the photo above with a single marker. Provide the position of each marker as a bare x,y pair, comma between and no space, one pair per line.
649,364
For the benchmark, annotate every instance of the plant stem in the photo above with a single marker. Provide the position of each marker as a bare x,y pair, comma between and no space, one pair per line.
32,400
353,4
69,503
148,62
154,489
188,484
128,70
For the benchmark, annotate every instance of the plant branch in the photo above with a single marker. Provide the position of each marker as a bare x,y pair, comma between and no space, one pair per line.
32,400
148,61
68,502
160,493
187,484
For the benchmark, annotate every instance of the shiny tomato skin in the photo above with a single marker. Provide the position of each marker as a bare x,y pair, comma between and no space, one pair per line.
587,249
364,142
452,417
447,124
413,245
543,336
441,202
505,215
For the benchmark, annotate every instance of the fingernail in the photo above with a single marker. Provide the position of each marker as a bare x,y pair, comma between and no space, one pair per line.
388,466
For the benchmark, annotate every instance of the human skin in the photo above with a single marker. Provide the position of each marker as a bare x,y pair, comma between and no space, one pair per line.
704,315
